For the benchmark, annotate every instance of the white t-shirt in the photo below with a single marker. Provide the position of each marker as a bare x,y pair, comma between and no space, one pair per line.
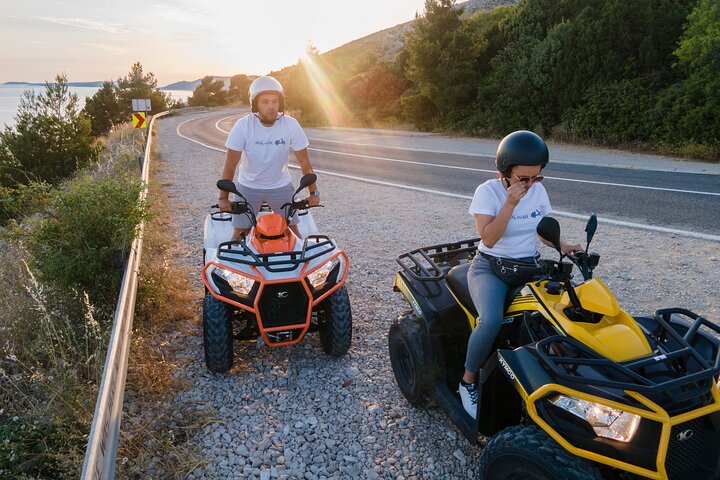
265,150
519,239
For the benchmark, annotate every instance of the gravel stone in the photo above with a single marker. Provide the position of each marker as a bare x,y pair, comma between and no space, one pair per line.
290,412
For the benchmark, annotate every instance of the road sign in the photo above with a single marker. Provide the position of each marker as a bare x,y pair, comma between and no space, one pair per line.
139,120
141,105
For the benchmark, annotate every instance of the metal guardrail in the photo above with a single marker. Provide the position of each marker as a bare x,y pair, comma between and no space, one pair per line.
101,452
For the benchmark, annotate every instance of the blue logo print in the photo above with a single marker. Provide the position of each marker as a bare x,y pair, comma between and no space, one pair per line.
280,142
534,214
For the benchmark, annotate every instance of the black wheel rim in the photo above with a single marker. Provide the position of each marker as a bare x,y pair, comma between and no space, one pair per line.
406,366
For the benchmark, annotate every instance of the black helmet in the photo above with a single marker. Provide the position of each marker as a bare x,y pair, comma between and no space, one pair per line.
521,148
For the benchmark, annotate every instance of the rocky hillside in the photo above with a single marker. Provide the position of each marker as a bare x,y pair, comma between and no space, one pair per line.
386,44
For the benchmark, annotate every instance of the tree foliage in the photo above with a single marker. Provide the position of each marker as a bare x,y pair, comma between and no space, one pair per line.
238,90
438,64
50,140
209,93
138,84
104,110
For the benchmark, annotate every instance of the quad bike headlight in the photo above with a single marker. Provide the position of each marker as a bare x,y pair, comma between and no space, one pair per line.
319,276
239,283
607,422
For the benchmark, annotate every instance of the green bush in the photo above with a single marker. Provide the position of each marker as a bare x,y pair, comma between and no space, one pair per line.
23,200
37,449
83,240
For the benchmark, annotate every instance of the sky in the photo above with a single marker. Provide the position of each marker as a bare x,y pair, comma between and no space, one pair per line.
91,40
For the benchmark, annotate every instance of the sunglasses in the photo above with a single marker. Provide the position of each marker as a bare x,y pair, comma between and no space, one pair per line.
529,180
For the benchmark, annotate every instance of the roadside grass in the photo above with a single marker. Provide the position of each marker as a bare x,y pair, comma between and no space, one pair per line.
156,427
53,337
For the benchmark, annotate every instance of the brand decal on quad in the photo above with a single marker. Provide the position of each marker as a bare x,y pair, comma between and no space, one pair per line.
410,298
685,435
507,368
282,294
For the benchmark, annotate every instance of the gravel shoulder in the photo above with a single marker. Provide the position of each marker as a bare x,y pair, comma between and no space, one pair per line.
297,413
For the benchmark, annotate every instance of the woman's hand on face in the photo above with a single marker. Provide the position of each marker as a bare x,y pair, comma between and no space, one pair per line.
516,192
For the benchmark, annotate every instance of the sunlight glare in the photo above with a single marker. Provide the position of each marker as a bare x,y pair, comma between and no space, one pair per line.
327,96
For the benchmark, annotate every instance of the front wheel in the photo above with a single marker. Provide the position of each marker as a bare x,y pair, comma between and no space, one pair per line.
407,358
335,326
528,453
217,335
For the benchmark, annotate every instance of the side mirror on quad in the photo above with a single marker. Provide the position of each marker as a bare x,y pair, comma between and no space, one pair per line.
549,229
590,228
227,186
306,181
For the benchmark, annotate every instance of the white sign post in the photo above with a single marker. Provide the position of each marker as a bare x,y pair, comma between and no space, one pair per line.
141,105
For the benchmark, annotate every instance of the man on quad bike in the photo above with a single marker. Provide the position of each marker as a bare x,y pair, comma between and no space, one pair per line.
507,211
260,144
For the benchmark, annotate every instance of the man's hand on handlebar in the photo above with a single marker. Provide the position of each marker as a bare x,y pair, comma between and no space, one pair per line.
224,204
313,200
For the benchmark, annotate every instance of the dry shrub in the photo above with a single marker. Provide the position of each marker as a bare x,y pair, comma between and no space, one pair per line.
156,427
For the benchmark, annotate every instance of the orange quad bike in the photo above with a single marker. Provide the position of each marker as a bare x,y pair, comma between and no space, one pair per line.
272,285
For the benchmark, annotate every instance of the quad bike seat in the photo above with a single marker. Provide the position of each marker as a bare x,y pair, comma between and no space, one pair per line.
458,283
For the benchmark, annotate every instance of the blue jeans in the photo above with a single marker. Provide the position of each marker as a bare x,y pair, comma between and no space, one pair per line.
488,294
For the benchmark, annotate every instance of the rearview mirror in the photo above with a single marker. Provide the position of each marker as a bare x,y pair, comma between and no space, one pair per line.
591,227
306,181
549,229
227,186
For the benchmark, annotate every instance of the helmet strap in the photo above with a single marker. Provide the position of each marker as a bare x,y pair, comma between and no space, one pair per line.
280,114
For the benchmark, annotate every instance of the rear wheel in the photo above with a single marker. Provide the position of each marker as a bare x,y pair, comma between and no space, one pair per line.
528,453
335,323
407,358
217,335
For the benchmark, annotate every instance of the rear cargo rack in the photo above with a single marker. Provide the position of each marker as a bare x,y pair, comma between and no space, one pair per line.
313,246
698,373
425,264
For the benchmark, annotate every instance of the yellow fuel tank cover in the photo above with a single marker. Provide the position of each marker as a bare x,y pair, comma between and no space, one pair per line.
595,297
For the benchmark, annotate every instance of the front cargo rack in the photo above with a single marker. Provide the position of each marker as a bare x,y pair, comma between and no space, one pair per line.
313,246
692,373
426,264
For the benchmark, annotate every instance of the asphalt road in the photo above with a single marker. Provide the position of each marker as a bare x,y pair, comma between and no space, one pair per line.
687,202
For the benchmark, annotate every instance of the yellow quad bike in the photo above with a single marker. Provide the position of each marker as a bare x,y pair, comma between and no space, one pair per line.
576,388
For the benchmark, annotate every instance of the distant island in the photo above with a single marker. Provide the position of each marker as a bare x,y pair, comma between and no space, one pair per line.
183,85
70,84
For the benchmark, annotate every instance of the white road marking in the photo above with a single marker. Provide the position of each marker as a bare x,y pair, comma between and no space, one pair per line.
453,167
642,226
177,130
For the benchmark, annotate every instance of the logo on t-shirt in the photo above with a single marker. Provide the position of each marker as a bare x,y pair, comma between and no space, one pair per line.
535,213
270,142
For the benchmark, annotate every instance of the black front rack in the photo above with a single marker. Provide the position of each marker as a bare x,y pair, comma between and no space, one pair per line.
424,264
238,252
629,375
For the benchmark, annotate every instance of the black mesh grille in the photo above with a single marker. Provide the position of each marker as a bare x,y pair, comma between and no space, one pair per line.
687,451
283,304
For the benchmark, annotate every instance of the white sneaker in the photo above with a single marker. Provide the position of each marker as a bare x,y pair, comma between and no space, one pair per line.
469,395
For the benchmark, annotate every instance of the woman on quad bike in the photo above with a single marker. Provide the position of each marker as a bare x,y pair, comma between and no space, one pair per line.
260,144
507,211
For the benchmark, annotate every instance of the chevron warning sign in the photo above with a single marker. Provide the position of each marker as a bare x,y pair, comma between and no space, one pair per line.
139,120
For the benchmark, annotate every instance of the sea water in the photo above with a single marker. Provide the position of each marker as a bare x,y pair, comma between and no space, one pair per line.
10,96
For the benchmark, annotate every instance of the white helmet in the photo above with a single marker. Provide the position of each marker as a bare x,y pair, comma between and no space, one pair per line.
264,85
